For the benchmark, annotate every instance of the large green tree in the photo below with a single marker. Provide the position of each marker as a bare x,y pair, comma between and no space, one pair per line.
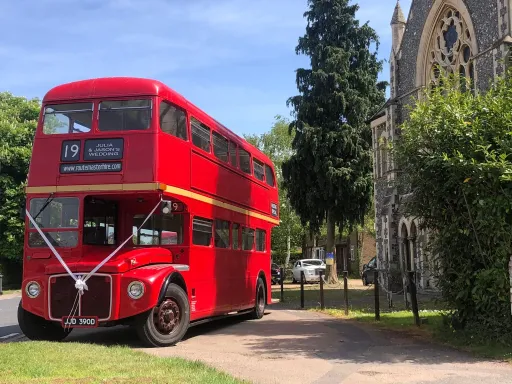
329,177
18,120
455,161
277,145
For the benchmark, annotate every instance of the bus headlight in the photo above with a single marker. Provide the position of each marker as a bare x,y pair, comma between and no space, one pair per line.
136,289
33,289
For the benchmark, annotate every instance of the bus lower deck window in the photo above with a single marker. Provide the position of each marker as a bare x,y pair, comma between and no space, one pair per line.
202,231
260,240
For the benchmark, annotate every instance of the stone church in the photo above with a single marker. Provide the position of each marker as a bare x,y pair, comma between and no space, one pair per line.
468,37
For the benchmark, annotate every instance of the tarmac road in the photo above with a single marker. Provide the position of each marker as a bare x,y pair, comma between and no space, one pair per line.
289,346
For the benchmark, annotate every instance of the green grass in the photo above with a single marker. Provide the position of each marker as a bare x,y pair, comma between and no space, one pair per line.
11,291
43,362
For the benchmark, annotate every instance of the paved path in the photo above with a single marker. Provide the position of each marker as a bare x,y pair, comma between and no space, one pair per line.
8,318
304,347
289,346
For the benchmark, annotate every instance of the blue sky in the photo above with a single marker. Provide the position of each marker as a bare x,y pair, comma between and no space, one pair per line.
235,59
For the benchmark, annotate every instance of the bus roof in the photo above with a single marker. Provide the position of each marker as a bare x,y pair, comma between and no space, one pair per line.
135,86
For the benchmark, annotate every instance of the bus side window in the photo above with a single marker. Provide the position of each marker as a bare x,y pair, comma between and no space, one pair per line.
221,234
200,135
232,154
220,147
260,240
269,176
247,239
202,231
245,161
259,171
173,120
235,235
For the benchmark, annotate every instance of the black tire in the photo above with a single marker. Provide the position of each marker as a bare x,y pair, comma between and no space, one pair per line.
365,281
261,300
158,327
38,328
294,281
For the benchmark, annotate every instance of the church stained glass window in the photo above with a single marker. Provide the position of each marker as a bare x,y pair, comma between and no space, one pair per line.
450,48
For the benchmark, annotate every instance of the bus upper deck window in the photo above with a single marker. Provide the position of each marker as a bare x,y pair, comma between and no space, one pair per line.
67,118
269,176
259,170
173,120
125,115
245,161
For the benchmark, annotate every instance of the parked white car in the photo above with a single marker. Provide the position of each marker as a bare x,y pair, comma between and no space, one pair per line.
311,268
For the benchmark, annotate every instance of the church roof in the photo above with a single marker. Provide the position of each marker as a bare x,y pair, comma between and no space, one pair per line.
398,15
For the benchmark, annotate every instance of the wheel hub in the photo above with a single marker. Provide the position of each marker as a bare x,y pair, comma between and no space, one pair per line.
167,316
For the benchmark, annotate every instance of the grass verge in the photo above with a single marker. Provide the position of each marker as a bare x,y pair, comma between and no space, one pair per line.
43,362
11,291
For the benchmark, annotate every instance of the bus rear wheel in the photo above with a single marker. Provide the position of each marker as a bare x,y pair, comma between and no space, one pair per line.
261,300
166,324
38,328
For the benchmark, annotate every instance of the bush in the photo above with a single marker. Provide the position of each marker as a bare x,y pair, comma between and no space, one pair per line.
455,157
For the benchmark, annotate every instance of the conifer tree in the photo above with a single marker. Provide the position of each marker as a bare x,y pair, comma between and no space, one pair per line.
329,178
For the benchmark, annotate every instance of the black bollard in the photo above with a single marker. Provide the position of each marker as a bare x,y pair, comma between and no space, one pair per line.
345,289
302,289
376,286
282,284
414,299
322,306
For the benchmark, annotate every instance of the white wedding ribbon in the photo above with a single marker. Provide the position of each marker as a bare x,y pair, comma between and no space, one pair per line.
80,281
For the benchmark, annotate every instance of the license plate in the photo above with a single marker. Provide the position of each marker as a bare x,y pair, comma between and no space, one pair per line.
80,322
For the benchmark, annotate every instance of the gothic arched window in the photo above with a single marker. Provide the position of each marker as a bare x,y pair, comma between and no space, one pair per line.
450,49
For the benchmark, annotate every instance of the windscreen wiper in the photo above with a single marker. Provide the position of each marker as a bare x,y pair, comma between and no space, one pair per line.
48,201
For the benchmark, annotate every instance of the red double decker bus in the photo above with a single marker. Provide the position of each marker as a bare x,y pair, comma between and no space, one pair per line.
142,210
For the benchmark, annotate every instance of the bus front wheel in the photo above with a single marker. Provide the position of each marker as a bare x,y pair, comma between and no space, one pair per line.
38,328
261,299
166,324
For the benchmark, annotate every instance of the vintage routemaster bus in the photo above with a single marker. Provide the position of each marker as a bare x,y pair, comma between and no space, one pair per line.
142,210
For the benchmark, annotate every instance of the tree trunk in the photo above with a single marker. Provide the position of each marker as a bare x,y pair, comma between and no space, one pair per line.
331,271
304,244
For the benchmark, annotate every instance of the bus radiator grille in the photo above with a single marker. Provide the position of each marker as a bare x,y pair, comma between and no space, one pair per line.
94,302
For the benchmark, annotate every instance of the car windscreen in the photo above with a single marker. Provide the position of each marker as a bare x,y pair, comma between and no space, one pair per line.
125,115
312,263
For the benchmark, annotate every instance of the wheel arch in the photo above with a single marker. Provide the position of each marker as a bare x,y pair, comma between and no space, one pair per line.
173,278
267,287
